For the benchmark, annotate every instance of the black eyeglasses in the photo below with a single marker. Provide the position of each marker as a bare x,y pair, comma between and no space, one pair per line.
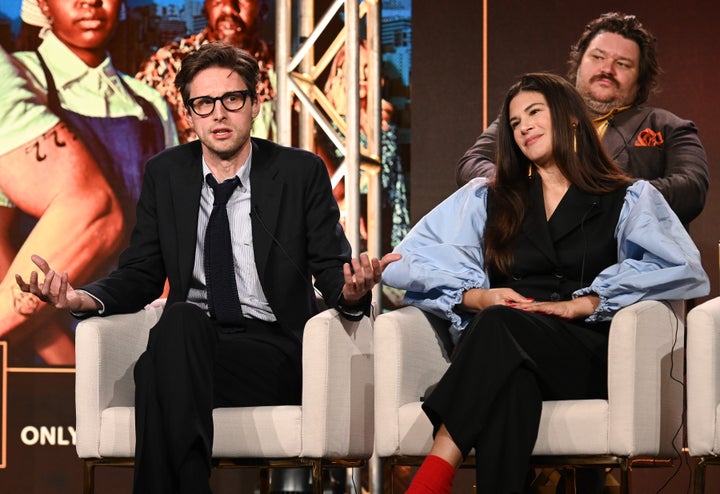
205,105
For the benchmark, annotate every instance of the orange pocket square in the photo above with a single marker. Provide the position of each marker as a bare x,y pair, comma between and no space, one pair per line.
649,137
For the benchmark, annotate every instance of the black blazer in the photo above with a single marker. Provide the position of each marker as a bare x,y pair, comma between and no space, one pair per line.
296,234
553,258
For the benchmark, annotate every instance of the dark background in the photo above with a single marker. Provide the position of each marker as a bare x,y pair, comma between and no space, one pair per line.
526,36
448,110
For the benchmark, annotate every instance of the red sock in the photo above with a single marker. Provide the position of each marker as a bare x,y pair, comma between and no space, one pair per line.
435,476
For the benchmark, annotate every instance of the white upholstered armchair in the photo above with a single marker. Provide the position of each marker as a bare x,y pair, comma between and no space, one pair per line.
703,387
640,419
332,427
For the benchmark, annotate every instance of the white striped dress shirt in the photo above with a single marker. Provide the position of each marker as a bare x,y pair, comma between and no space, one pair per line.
252,298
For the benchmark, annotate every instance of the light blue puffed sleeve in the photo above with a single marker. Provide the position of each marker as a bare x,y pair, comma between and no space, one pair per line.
657,259
443,255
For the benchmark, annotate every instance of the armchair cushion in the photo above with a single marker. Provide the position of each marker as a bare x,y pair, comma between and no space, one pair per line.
334,421
641,416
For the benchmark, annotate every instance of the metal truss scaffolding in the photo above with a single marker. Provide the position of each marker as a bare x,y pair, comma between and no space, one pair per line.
298,75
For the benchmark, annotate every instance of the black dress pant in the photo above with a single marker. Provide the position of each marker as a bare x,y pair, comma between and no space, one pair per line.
191,366
506,363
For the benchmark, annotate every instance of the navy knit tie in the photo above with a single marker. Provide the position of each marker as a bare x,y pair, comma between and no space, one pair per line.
223,301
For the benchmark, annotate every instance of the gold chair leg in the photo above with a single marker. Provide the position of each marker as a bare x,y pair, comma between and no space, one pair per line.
387,476
264,481
625,479
699,481
568,473
88,477
317,477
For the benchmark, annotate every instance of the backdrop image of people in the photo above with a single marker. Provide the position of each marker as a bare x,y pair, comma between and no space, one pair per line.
42,44
395,200
121,121
236,23
47,173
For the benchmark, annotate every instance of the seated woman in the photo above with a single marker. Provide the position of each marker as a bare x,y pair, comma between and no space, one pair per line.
529,269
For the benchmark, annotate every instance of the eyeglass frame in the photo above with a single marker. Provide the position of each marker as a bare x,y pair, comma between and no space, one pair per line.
244,92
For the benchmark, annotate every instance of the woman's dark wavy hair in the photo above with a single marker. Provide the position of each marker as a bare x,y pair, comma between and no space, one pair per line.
218,54
589,168
629,27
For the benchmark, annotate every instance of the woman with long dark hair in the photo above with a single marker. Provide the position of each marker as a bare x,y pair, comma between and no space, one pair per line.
529,269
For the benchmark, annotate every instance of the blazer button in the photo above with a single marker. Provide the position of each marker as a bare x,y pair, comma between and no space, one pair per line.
555,297
559,276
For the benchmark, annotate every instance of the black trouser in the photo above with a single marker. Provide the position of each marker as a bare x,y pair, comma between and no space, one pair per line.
507,362
191,366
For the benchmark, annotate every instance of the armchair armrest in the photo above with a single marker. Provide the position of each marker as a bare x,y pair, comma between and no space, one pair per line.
106,351
338,387
645,375
409,359
703,377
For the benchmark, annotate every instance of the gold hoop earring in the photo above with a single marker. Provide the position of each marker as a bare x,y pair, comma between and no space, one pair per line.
530,171
575,138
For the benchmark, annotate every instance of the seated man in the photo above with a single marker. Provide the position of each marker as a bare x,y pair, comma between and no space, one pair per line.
239,226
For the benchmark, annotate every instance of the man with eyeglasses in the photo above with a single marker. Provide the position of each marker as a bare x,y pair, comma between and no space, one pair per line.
614,67
230,336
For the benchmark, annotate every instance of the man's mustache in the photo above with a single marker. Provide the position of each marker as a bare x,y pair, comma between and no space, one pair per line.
608,77
237,20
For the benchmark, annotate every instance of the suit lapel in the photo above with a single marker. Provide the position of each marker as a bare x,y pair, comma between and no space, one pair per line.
575,208
535,225
266,192
621,131
186,183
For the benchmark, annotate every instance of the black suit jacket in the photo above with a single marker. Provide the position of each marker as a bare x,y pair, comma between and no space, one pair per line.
296,234
678,167
555,257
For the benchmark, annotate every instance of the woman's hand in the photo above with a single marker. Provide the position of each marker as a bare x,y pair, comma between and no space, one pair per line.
568,309
477,299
